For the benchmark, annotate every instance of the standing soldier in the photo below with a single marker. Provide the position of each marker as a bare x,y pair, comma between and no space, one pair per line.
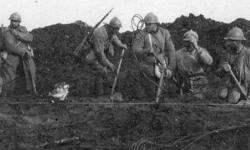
190,63
16,42
102,42
153,49
238,60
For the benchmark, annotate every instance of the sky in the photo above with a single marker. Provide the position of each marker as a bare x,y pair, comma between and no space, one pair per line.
41,13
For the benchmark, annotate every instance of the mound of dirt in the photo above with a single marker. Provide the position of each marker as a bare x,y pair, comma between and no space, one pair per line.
182,123
54,46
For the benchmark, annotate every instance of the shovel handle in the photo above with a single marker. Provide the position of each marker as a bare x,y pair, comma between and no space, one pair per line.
117,72
237,82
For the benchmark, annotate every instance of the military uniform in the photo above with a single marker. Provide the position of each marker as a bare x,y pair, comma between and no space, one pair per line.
101,47
190,69
163,53
163,47
240,64
16,45
238,60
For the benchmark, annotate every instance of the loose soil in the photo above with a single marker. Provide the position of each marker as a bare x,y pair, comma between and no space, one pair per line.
87,122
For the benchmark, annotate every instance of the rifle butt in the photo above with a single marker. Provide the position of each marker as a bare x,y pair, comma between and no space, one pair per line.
79,48
159,87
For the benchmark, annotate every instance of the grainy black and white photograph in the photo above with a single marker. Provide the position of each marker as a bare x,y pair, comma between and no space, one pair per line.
125,75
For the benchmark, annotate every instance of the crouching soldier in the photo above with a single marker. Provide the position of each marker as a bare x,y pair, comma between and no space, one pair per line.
16,44
237,60
101,48
154,49
190,63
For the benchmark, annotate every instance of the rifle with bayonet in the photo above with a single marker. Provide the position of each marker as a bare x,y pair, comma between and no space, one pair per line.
160,85
89,34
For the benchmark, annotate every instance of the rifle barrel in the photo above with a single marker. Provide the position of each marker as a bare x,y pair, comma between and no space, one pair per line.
102,19
79,47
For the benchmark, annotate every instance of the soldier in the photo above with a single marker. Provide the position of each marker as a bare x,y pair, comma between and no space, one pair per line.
16,44
190,63
103,41
153,49
237,59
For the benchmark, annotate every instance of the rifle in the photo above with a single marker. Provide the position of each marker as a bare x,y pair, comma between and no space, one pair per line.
243,91
31,70
29,66
89,34
162,73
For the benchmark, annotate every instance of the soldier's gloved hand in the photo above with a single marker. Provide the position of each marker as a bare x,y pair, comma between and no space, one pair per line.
124,46
226,66
193,40
168,73
112,67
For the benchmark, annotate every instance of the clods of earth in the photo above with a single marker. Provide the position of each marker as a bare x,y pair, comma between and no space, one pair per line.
87,122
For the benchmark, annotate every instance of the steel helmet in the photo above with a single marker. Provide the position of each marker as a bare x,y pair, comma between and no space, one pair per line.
151,18
235,34
191,36
115,22
15,16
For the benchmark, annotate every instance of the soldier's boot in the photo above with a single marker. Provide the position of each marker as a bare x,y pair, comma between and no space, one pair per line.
234,96
223,92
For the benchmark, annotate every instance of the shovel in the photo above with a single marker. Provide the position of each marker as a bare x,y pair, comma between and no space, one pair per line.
116,75
243,91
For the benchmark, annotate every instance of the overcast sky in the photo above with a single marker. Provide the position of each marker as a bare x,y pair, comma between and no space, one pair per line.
40,13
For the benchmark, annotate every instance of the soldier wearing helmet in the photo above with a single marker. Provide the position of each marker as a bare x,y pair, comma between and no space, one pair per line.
16,41
101,48
15,19
17,30
237,59
190,64
154,51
